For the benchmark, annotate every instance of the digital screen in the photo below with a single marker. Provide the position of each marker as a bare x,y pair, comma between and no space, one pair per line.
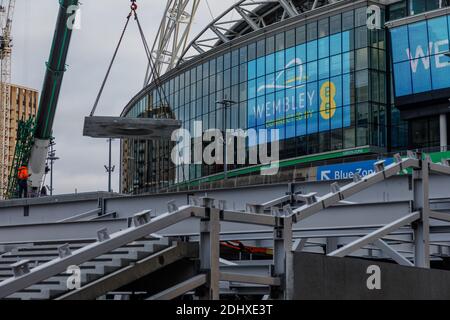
301,90
419,61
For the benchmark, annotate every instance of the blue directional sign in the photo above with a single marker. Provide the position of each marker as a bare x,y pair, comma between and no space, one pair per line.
347,170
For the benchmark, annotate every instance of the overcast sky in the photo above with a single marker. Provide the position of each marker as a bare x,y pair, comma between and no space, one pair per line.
81,166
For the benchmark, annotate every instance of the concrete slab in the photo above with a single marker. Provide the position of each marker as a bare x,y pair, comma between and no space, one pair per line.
126,128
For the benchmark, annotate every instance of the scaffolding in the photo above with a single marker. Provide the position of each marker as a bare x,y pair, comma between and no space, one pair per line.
21,154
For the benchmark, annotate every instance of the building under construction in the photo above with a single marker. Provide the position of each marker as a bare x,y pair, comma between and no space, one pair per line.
359,207
22,107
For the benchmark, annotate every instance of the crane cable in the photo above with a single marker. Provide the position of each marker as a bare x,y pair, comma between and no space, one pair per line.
111,64
160,90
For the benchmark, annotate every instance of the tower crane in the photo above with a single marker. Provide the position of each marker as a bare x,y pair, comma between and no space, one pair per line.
6,20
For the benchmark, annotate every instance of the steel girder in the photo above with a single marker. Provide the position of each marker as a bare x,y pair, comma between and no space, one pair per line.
254,15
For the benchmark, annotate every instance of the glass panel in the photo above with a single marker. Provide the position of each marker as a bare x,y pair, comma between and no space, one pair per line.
347,20
270,45
323,27
311,31
335,44
290,38
301,35
324,47
335,24
279,42
361,17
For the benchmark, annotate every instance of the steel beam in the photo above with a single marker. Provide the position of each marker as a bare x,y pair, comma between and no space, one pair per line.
292,12
247,19
181,288
94,250
372,237
341,220
250,279
277,201
210,249
221,36
60,232
439,168
84,216
172,37
299,245
249,218
394,255
48,210
283,256
353,188
133,272
422,204
442,216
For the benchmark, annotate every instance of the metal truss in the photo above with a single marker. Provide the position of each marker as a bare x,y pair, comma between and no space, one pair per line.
246,16
211,215
172,37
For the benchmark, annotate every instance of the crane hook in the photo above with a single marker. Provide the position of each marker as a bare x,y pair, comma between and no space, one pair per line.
134,6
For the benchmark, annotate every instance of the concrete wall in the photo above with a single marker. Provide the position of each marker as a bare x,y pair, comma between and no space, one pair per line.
321,277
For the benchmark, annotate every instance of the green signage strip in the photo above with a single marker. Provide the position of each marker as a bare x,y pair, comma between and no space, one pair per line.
435,157
282,164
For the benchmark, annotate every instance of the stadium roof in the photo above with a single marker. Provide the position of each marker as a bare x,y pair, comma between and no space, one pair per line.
246,16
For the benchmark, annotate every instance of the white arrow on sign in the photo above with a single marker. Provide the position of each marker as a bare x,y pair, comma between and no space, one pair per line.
325,175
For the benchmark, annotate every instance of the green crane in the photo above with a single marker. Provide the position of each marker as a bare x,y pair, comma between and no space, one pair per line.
34,137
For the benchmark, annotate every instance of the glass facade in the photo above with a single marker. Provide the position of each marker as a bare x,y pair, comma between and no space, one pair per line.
420,67
302,90
402,132
419,61
324,83
406,8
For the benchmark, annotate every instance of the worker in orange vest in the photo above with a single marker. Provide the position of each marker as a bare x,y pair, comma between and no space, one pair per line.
23,181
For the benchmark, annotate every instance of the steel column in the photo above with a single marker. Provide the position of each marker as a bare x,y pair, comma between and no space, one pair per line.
422,204
443,131
283,257
210,249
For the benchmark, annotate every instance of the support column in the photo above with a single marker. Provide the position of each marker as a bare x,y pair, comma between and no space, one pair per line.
210,249
443,131
331,245
283,259
422,204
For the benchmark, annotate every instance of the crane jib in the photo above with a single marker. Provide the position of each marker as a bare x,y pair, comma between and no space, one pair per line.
56,67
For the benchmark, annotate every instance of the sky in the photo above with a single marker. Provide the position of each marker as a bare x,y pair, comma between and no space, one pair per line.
82,159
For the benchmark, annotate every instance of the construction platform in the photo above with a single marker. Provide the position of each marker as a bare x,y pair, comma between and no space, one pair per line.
129,128
169,245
